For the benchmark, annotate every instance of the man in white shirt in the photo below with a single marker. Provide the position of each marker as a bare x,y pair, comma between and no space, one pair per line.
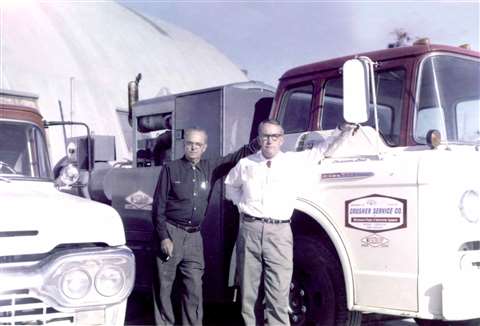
264,186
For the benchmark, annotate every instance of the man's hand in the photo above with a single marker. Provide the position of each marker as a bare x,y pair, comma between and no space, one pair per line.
167,247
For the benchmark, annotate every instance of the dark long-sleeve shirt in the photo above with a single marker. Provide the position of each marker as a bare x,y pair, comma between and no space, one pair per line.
183,189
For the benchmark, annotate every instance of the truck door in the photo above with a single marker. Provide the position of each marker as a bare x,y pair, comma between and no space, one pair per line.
371,199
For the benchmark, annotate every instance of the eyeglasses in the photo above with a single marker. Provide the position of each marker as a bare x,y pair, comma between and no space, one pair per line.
191,143
273,137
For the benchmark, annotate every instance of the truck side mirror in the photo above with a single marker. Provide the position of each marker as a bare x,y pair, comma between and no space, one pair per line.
356,91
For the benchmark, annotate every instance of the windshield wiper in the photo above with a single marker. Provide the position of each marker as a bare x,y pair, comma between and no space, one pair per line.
5,179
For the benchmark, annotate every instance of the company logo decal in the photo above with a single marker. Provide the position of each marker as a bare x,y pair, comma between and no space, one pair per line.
376,213
139,200
375,241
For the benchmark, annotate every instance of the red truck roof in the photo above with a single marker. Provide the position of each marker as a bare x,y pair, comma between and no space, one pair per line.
19,106
380,55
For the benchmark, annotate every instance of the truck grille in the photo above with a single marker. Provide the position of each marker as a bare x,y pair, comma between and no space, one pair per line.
20,308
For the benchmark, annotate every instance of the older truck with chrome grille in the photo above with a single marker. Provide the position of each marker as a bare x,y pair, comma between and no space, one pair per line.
63,258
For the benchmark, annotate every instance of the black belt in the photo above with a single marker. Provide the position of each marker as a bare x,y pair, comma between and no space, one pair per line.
269,220
186,228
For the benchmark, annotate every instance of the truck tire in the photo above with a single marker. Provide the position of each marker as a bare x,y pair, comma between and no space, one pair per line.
317,292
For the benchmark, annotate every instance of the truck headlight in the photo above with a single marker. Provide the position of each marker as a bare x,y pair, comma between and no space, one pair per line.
470,206
69,175
76,283
76,279
109,281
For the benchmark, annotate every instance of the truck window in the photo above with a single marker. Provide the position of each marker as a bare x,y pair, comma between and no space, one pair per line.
468,119
448,99
428,119
23,153
390,85
295,109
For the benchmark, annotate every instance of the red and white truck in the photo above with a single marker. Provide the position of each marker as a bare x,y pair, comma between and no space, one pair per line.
392,223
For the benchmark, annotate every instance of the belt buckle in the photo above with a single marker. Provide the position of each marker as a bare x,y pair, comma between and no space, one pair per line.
269,220
192,229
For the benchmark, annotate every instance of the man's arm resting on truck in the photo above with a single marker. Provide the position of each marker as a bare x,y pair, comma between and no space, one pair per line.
225,163
158,211
321,147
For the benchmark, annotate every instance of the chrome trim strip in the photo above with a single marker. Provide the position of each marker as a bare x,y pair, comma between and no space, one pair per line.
346,175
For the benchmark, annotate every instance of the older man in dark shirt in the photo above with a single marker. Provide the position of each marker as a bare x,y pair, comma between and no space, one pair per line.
180,201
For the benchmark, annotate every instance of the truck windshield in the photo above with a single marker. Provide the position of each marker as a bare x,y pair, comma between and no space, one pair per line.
449,99
23,153
390,85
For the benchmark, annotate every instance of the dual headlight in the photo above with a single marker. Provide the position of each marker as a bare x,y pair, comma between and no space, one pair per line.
95,277
470,206
77,282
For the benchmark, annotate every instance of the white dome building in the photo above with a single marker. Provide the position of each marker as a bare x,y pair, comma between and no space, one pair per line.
84,55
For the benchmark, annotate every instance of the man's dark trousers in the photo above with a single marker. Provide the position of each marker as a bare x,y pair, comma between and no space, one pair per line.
188,257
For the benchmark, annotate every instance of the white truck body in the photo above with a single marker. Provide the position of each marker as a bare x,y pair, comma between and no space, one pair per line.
390,221
80,220
63,259
370,206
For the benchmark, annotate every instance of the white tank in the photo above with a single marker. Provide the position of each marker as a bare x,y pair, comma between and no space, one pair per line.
84,54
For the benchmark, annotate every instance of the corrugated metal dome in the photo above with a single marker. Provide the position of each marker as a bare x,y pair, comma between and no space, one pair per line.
89,51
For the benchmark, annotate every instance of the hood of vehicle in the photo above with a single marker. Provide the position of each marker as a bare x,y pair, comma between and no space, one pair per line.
36,217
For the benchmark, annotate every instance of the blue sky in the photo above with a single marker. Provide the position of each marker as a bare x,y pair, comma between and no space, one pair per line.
268,37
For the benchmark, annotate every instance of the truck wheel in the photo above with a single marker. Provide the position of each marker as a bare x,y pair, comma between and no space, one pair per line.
317,292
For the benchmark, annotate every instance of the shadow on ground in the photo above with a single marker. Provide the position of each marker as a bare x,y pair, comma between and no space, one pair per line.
140,312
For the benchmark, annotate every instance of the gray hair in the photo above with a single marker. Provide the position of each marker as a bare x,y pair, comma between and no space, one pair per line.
195,129
270,122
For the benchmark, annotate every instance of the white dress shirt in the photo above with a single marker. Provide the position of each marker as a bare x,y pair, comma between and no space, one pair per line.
263,191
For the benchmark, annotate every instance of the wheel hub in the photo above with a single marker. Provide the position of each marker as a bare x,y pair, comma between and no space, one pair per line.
297,307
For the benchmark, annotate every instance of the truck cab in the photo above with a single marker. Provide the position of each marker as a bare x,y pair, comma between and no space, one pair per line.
391,225
63,258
